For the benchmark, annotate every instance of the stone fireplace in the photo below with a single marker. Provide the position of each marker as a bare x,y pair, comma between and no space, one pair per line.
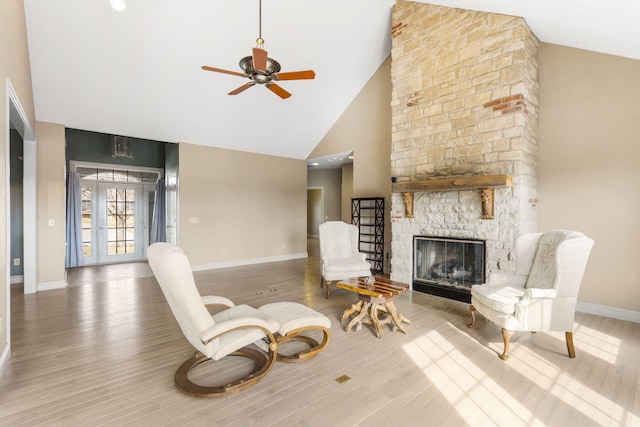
464,131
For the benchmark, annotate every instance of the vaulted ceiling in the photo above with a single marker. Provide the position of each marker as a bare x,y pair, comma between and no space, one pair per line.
138,72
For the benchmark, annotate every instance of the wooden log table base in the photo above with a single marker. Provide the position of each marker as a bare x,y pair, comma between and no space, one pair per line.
373,300
368,312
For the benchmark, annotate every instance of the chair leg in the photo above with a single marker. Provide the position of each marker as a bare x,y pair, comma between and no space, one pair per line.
506,336
263,365
570,348
472,309
314,346
328,283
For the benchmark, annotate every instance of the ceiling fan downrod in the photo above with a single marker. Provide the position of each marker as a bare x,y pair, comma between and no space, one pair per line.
260,40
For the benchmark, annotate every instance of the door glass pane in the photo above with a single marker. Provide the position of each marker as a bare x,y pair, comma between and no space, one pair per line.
87,220
119,175
105,174
87,173
150,176
120,221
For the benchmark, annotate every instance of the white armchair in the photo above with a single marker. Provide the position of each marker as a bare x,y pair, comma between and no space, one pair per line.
339,253
542,293
232,331
214,337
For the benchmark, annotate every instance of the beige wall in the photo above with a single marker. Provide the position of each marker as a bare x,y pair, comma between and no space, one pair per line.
51,202
14,65
347,191
365,128
589,164
331,181
247,205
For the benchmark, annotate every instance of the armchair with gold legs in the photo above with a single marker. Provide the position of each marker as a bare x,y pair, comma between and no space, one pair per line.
542,293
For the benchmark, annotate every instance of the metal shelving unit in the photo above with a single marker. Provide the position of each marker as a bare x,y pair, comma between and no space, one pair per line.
367,213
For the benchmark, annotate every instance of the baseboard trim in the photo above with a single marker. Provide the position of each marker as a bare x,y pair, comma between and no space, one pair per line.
248,261
16,279
612,312
47,286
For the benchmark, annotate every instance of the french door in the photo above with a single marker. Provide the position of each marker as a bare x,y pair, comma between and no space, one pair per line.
116,220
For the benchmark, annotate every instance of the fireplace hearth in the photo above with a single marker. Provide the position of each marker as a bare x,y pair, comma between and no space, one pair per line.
448,267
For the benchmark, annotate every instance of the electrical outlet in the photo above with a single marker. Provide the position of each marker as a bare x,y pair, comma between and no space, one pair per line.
16,261
193,220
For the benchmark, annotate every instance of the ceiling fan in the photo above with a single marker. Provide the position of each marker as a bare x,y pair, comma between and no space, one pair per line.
261,69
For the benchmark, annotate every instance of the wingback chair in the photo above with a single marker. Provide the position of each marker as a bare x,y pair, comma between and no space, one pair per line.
542,293
339,253
231,331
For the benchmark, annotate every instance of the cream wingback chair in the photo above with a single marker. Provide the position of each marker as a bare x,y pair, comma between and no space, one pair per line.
233,330
542,293
339,253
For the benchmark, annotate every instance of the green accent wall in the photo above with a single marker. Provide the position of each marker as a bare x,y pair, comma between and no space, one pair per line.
97,147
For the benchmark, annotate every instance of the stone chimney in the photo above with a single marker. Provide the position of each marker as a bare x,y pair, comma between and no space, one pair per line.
464,104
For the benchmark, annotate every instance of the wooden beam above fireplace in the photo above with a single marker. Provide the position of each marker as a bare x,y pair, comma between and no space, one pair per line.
453,183
485,183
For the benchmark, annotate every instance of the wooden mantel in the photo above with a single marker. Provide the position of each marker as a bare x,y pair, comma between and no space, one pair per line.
485,183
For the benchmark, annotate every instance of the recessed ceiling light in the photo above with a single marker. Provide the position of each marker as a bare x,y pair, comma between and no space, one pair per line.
118,5
315,164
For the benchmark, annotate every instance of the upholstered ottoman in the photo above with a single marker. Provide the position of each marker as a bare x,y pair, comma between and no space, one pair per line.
296,320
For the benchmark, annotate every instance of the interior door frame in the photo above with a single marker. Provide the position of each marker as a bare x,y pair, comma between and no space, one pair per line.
16,117
141,201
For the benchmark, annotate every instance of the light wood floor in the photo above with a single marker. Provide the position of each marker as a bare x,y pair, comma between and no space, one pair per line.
104,352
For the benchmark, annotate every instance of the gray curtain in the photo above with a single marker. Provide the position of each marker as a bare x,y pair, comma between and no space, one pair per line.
75,256
159,219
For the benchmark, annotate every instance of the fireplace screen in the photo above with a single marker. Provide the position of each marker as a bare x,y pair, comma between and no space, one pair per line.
448,262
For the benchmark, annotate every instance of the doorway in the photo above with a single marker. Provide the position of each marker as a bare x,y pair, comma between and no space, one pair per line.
334,175
17,122
117,203
315,210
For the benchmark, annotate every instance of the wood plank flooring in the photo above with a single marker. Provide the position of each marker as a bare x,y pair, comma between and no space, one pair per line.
104,352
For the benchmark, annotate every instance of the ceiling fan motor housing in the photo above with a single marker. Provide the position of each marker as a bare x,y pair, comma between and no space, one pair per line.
260,76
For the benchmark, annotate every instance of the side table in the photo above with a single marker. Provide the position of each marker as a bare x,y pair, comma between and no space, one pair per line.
374,298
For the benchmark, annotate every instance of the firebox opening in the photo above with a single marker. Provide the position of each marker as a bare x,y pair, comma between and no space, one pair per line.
447,267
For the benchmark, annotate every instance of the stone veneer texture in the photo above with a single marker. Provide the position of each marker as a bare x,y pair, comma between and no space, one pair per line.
464,103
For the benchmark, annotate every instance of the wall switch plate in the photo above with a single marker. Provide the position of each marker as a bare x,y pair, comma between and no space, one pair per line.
16,261
52,223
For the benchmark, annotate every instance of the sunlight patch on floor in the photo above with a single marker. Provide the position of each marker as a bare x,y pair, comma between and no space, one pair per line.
477,398
598,344
563,386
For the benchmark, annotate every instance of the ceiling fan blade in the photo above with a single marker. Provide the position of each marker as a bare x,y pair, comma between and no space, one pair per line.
220,70
278,90
241,89
297,75
259,59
